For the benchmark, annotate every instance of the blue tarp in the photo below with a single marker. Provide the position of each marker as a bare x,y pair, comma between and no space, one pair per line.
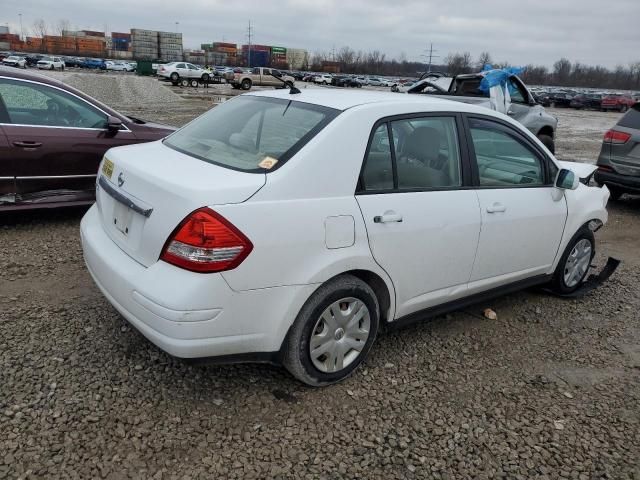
493,77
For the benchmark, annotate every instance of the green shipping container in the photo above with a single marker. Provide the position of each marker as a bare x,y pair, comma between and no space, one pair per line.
145,67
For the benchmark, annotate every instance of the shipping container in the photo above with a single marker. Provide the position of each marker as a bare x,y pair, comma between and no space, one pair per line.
125,36
257,58
93,33
119,55
257,48
217,45
4,29
5,46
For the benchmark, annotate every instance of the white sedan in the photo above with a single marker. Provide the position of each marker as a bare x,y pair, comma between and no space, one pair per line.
50,63
290,227
119,66
15,61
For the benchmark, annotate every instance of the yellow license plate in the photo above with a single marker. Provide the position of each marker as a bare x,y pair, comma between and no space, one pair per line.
107,168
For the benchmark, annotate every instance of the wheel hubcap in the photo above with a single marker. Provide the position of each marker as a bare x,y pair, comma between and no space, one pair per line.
339,335
577,263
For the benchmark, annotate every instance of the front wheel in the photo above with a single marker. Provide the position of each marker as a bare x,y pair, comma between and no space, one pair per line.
547,141
624,108
574,263
333,332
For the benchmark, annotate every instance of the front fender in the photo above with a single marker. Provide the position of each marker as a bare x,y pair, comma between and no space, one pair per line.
583,205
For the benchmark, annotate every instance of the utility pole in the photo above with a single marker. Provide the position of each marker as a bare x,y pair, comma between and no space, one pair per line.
249,35
430,55
21,30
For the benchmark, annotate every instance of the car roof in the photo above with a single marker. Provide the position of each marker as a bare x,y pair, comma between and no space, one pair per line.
27,75
343,99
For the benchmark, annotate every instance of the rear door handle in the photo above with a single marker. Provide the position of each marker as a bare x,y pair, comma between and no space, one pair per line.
496,207
388,217
27,144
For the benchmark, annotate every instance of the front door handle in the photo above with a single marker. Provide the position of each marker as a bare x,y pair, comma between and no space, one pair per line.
388,217
496,207
27,144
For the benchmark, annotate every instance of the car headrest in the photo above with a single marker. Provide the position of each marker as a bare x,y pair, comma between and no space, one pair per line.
423,144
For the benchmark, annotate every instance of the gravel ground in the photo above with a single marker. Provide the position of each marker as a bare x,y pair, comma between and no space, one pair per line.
551,389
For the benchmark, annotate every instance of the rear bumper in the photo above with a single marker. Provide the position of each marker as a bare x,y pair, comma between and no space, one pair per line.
612,179
186,314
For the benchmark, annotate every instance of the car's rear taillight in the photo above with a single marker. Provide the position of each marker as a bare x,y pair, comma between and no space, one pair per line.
616,137
206,242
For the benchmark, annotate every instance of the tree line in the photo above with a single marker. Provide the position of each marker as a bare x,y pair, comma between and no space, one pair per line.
563,73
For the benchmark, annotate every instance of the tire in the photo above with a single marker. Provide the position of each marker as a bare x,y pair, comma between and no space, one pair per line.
174,77
623,108
564,281
234,86
547,141
345,291
184,82
62,68
194,83
615,193
206,77
52,67
246,84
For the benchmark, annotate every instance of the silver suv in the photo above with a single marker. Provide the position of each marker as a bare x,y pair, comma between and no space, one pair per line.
619,161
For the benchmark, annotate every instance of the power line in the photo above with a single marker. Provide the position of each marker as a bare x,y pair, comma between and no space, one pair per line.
430,54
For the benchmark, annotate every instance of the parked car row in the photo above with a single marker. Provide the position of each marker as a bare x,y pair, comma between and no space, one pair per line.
570,98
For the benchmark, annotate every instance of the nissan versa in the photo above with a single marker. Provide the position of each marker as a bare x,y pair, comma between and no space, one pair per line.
291,227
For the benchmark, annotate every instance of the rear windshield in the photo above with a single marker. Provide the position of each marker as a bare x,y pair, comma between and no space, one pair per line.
251,134
631,119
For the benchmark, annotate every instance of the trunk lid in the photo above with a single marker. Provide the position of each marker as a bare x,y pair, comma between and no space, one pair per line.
157,188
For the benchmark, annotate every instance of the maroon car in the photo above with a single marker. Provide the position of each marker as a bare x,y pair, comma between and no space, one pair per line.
52,138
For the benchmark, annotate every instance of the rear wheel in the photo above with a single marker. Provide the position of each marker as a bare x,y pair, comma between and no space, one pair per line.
246,84
548,142
575,262
615,193
174,77
624,108
333,332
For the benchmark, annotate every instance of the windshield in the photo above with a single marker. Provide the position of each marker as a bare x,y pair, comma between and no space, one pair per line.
46,59
250,133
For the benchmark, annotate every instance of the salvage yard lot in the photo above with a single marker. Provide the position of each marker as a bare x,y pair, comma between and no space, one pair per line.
550,389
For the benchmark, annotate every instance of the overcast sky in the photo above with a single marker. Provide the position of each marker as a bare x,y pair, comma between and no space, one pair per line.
516,31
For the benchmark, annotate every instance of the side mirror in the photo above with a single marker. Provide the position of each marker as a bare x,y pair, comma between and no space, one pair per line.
114,124
567,180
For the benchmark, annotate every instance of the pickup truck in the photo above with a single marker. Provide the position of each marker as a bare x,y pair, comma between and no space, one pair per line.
259,76
465,88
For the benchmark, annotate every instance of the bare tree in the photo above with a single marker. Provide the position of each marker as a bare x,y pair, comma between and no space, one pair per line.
458,63
562,71
483,60
40,30
62,26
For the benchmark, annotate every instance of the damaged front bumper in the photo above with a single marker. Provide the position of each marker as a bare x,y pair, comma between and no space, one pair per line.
593,282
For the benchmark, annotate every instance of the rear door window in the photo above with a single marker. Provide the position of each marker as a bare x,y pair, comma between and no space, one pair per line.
631,119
